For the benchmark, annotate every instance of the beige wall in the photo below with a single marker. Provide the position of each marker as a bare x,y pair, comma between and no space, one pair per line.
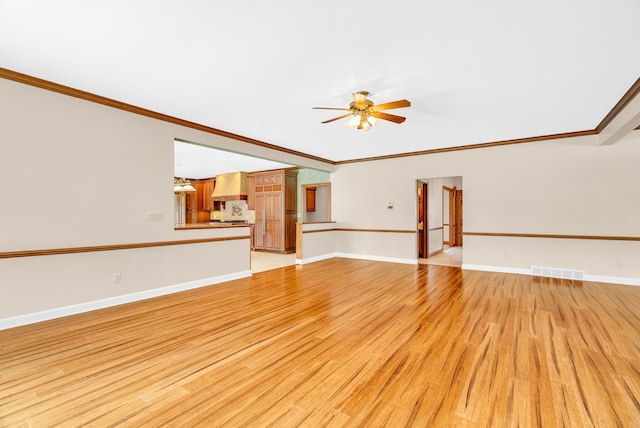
84,174
318,242
80,174
566,186
35,284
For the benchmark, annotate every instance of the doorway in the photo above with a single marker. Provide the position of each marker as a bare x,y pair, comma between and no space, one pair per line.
439,220
316,202
423,223
452,216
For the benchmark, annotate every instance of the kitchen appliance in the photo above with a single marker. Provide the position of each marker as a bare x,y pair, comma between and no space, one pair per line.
230,186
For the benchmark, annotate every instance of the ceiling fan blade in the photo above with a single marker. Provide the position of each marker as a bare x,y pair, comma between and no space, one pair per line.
338,118
330,108
389,106
386,116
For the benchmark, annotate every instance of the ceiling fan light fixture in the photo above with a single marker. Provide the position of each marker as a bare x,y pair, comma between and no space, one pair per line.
365,114
353,122
372,121
364,123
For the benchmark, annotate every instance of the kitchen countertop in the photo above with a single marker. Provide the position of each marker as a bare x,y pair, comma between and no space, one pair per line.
212,225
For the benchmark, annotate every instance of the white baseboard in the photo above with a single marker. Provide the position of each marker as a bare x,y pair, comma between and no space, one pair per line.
64,311
376,258
519,271
613,279
315,259
357,256
499,269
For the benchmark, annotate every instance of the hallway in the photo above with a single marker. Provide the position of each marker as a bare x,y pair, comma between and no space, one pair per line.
450,256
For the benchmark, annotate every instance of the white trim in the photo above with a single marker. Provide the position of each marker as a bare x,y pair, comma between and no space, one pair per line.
64,311
590,278
357,256
376,258
613,279
315,259
499,269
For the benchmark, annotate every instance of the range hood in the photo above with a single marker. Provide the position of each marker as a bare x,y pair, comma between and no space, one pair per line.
230,186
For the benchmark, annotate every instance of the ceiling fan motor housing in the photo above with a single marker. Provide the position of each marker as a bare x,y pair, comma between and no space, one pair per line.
360,101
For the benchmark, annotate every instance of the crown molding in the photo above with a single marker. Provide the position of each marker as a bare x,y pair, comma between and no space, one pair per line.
620,105
615,111
473,146
88,96
66,90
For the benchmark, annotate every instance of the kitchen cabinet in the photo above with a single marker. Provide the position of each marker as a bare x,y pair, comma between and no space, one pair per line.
251,190
191,207
311,198
204,202
207,189
275,203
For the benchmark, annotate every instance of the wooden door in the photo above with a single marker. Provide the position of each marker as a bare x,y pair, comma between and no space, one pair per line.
455,217
458,216
446,223
423,227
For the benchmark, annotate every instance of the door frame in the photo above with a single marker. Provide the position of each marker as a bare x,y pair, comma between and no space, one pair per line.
455,216
325,208
422,202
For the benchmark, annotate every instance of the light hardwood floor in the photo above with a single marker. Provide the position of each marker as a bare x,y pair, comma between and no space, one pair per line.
450,256
262,261
337,343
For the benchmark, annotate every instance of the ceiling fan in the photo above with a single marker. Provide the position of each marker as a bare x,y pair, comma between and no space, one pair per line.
364,114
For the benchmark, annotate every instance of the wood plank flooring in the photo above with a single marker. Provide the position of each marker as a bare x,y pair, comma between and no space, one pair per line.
337,343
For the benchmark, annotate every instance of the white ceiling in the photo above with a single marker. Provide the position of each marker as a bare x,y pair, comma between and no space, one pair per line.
196,161
475,72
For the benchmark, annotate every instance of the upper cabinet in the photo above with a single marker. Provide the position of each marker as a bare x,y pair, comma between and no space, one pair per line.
205,191
203,202
311,198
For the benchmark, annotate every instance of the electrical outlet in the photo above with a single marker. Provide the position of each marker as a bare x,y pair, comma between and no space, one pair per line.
390,205
117,277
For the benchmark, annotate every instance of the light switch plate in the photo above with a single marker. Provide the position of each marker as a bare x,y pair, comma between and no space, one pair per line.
154,216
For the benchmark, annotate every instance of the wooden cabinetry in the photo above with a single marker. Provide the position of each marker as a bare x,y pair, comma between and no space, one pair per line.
311,198
251,192
275,202
207,189
191,207
204,202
